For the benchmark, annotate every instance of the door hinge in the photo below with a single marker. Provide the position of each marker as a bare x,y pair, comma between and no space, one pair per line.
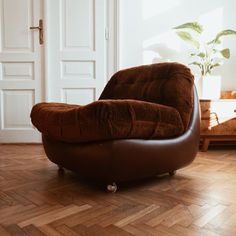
107,33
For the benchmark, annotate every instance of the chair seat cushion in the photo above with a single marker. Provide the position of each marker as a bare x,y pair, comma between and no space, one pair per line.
107,119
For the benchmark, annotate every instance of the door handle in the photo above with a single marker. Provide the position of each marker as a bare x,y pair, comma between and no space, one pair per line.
40,29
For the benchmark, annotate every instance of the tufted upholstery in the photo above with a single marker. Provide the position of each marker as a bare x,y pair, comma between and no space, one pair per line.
107,119
169,84
149,102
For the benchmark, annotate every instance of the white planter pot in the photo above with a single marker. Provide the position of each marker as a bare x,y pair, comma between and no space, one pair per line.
209,87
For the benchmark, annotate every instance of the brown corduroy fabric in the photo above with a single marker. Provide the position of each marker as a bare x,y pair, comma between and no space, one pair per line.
148,102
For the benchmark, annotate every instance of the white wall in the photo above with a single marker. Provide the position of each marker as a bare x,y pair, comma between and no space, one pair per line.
146,34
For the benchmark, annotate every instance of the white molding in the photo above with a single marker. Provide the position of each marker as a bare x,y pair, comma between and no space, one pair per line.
46,12
113,42
117,35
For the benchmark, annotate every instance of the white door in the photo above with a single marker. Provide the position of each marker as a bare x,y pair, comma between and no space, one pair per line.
76,50
20,69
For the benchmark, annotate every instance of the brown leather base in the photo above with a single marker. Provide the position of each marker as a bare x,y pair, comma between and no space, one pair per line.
123,160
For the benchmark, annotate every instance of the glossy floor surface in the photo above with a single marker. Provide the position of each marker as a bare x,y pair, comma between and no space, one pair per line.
35,200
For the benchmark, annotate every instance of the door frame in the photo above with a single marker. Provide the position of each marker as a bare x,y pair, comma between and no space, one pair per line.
112,45
113,23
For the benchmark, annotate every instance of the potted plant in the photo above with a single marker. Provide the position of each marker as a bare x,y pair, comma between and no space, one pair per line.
206,56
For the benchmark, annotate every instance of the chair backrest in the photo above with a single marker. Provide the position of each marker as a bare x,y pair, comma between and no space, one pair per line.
169,84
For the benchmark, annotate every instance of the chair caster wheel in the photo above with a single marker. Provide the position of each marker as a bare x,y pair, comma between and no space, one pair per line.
61,170
112,187
172,173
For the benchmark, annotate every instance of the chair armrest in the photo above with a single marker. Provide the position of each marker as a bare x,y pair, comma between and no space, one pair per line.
107,119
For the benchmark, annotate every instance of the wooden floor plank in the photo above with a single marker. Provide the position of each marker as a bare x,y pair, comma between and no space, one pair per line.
32,230
131,218
3,232
65,230
34,200
53,215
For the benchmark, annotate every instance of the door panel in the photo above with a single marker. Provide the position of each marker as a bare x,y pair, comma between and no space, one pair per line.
15,37
80,96
17,71
20,69
12,101
78,70
76,50
77,14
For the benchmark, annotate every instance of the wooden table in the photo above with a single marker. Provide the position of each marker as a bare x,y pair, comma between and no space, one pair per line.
218,119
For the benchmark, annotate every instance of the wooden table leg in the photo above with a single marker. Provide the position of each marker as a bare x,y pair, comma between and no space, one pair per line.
205,144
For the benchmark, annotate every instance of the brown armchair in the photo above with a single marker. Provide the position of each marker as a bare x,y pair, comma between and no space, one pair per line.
145,123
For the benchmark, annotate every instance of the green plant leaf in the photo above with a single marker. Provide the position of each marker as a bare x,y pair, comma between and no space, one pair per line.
195,26
215,65
214,41
201,54
225,53
199,65
188,38
224,33
196,64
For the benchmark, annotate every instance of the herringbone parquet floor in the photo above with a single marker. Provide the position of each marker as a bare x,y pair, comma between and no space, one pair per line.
35,200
